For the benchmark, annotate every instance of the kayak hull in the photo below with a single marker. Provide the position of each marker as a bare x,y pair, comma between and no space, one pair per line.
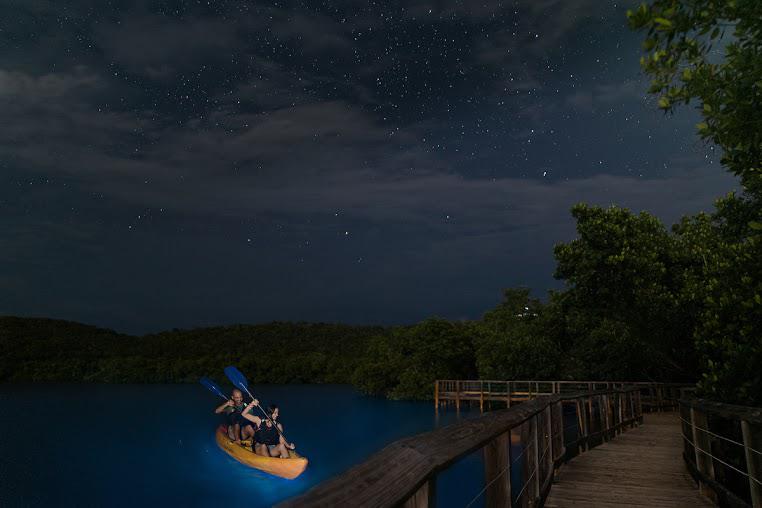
289,468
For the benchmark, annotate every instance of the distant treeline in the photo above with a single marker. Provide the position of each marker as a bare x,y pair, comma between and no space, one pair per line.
52,350
640,303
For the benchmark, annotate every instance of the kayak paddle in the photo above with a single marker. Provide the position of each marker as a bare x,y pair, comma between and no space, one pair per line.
212,387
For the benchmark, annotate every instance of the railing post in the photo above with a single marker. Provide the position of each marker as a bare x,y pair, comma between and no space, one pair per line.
752,440
561,449
639,407
525,465
425,497
536,437
457,395
497,462
436,394
508,393
481,396
659,398
550,468
702,446
582,420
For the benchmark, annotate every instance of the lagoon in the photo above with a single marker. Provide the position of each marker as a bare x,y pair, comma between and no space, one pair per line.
149,445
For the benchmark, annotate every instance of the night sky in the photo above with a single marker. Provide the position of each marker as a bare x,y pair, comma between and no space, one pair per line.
181,164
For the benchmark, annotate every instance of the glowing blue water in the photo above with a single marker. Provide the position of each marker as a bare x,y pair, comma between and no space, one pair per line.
148,445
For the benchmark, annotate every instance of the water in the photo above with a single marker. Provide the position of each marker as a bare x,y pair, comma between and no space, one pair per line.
147,445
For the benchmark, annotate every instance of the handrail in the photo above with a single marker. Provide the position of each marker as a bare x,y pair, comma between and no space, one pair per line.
568,381
404,472
655,396
723,450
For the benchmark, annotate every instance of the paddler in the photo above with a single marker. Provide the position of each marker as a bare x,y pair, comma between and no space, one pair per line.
233,408
268,441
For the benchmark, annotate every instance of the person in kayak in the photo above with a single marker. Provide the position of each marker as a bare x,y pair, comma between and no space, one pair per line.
268,441
232,408
274,413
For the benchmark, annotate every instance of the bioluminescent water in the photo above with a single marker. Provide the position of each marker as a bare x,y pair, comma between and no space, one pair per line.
149,445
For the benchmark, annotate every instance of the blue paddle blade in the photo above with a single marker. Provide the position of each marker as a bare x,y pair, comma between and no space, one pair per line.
238,379
212,387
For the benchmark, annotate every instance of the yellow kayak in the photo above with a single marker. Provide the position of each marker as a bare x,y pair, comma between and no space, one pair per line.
288,468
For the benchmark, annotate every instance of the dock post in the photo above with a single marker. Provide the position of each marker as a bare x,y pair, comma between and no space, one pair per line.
436,394
702,447
639,407
457,395
582,424
496,463
752,440
424,497
537,466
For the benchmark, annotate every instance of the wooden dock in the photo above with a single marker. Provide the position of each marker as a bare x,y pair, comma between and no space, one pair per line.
653,396
641,467
597,447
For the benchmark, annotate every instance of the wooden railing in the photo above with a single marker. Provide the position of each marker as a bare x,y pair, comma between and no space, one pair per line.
404,473
723,450
654,396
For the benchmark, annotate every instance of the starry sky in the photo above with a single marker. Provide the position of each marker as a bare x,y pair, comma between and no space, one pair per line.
182,164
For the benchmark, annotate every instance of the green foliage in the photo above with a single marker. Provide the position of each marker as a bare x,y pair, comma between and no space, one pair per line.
51,350
405,363
622,307
711,52
726,285
682,41
511,340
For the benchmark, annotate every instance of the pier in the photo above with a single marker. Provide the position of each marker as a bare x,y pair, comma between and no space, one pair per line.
611,444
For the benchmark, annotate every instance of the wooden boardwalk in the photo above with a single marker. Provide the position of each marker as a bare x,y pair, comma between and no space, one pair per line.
640,467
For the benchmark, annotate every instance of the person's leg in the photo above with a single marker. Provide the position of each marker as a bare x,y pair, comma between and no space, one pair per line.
261,449
247,432
237,432
281,451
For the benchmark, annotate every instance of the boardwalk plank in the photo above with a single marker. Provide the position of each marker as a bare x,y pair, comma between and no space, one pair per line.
641,467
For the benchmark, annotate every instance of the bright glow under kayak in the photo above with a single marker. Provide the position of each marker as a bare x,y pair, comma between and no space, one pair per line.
288,468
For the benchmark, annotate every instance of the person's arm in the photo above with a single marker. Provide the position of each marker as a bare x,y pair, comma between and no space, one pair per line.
290,446
223,407
251,417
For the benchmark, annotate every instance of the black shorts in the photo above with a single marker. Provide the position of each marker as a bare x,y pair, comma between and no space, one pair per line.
268,444
238,418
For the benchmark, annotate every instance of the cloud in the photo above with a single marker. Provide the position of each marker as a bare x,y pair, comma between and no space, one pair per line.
305,160
19,85
314,33
609,94
159,46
